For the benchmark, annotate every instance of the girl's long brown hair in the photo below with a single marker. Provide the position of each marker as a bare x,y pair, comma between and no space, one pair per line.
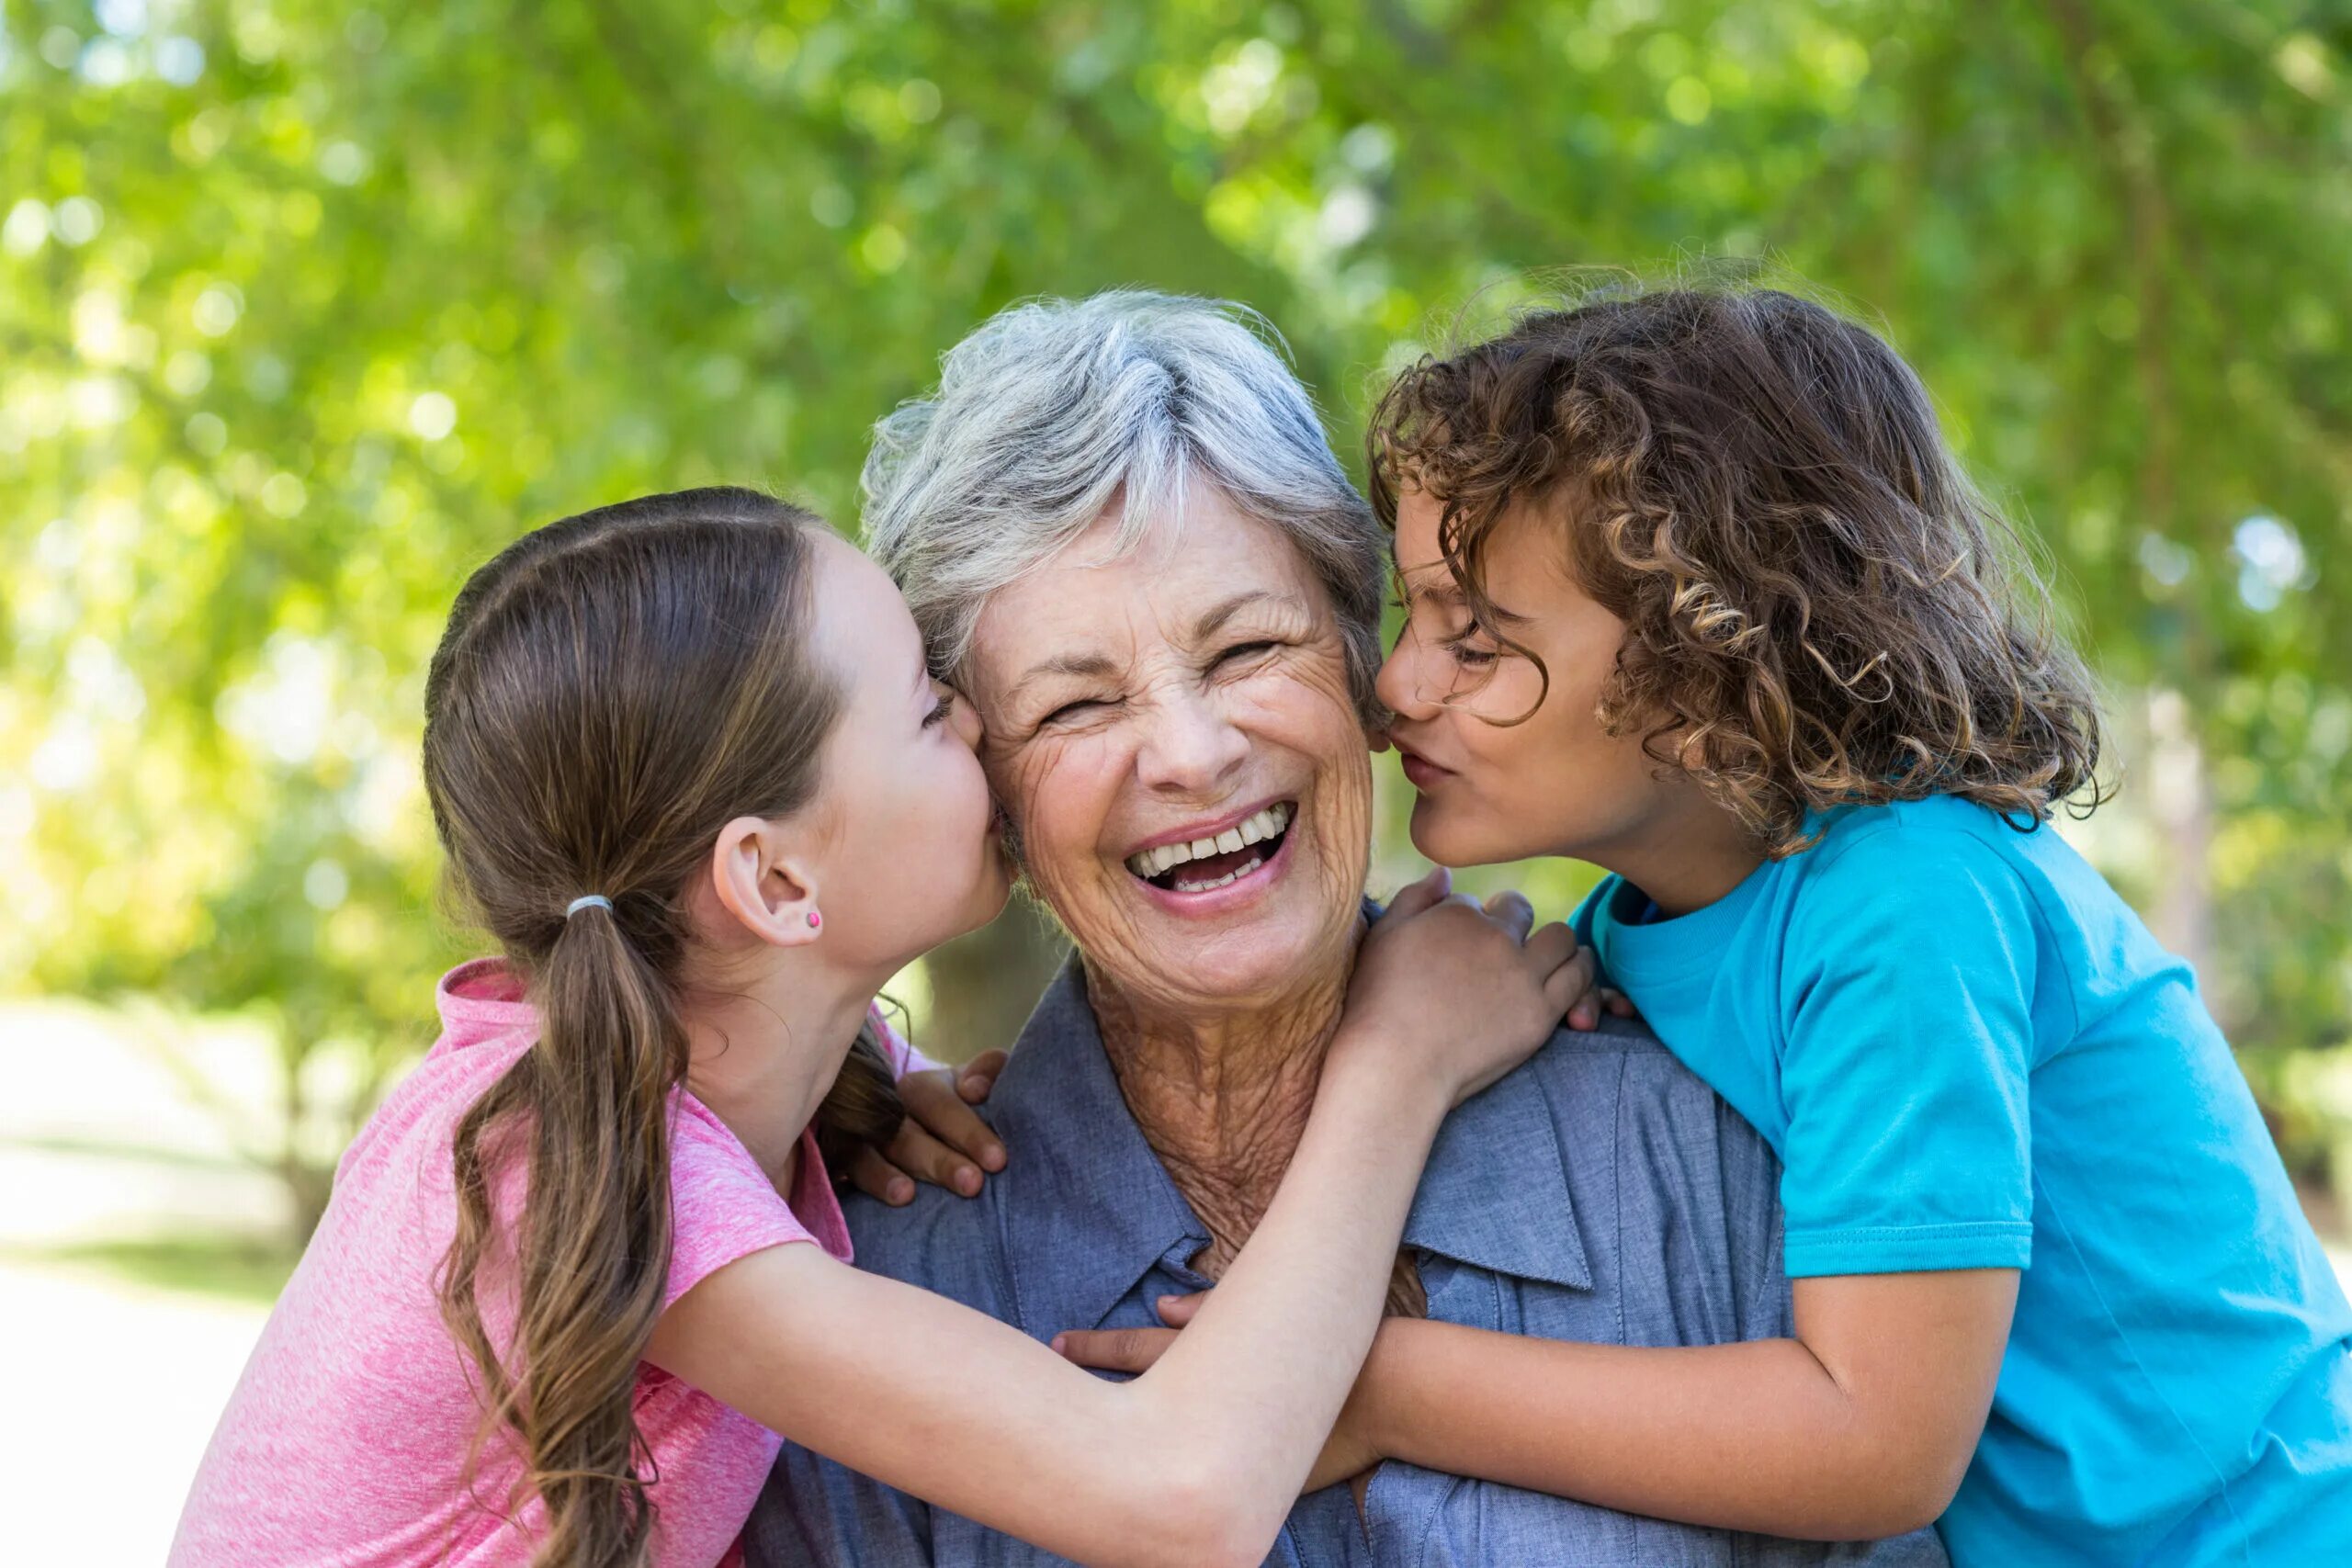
611,690
1820,610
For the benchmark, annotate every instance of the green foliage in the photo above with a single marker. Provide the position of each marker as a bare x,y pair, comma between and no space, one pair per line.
306,309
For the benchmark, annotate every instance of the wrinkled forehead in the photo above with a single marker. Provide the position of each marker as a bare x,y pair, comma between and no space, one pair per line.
1117,590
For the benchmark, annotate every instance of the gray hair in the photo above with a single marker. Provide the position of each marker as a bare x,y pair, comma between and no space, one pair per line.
1054,410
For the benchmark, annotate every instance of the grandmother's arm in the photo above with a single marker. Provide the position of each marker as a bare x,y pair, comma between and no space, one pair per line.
941,1140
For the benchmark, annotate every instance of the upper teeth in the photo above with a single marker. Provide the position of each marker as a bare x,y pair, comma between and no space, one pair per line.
1265,825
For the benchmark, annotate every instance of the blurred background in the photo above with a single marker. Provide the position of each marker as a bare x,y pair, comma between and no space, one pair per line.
308,308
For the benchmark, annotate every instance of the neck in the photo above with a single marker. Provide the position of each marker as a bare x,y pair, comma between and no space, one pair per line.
1223,1098
1685,858
764,1049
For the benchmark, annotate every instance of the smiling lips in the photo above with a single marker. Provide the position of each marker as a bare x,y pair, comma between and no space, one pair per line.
1206,863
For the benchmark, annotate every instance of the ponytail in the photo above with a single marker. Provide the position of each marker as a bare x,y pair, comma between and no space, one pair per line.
592,1098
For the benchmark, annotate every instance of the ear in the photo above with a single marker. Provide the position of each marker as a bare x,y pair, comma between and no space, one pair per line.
763,881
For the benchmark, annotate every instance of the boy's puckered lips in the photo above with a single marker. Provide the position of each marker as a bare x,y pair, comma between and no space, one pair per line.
1419,769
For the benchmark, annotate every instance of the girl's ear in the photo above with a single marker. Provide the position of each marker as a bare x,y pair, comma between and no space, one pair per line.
763,881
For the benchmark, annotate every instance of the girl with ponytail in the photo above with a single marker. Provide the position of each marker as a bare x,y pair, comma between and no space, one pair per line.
695,782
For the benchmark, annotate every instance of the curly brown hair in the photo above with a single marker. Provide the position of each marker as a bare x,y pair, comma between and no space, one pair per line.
1820,609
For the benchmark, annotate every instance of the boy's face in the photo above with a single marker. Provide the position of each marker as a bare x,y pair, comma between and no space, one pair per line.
1558,783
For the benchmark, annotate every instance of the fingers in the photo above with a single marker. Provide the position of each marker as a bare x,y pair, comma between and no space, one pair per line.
1115,1349
1513,910
978,1077
1569,990
1583,1012
1619,1004
1416,896
925,1159
1551,947
877,1177
1178,1311
938,1107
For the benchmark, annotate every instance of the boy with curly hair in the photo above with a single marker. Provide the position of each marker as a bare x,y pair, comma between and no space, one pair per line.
1696,592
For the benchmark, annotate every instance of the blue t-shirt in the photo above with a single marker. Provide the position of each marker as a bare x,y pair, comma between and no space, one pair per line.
1970,1053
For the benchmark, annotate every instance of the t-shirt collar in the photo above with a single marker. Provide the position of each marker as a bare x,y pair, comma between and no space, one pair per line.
479,999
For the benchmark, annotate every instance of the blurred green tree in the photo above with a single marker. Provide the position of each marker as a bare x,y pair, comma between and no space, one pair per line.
307,307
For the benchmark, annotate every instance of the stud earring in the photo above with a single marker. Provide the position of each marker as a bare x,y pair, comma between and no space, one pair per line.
815,919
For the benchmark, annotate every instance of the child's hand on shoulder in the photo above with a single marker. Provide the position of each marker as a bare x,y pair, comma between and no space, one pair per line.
942,1141
1584,1013
1470,990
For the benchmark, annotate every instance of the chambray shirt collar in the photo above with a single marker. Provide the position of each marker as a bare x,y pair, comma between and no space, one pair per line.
1095,1211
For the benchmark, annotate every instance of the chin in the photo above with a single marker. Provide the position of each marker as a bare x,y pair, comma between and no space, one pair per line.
1455,838
1434,840
983,901
1246,964
995,891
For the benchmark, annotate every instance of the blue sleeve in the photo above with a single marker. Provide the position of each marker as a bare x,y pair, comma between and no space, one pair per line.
1908,1038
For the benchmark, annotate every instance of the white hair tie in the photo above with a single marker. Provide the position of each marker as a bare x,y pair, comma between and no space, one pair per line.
583,901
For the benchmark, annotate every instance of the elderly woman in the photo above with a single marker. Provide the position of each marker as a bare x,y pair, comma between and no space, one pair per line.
1121,528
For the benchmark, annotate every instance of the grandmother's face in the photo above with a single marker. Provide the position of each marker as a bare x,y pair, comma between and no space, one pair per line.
1171,733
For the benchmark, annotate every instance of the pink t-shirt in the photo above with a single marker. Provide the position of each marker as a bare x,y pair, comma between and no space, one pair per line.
346,1437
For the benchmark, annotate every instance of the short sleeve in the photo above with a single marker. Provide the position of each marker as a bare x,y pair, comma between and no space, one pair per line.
1907,1041
722,1205
904,1058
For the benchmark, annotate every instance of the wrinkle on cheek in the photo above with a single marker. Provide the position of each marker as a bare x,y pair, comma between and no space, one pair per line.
1321,668
1056,789
1346,853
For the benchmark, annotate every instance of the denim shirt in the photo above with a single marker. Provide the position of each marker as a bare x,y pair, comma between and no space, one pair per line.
1599,1192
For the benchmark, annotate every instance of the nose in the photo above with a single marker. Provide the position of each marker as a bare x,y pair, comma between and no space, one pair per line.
965,718
1399,682
1189,746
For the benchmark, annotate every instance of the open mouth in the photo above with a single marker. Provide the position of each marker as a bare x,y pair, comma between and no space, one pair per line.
1206,864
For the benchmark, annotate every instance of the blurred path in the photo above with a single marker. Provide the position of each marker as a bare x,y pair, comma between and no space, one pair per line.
118,1378
114,1393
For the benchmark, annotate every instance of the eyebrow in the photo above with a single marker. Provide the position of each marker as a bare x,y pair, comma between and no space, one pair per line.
1218,613
1093,665
1083,665
1447,591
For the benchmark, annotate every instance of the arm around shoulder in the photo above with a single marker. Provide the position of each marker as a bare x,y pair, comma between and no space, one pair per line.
1860,1431
852,1366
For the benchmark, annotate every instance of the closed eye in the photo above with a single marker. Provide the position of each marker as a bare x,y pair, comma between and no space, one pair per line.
945,705
1070,711
1463,653
1247,650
